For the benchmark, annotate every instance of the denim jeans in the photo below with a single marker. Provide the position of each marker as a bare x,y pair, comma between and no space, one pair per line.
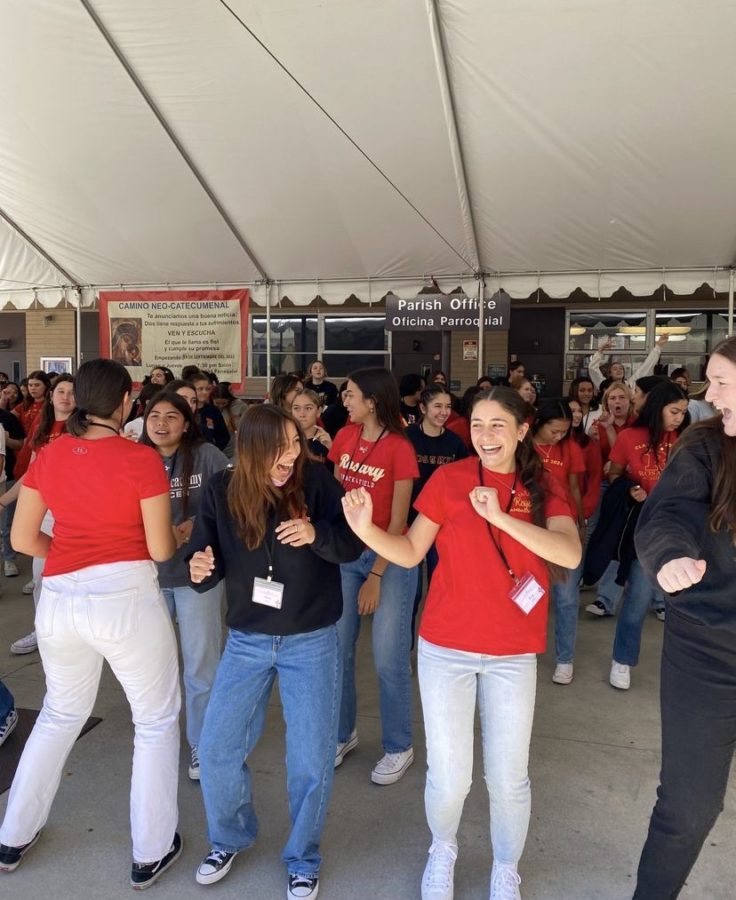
607,590
6,520
112,612
7,704
505,687
698,696
391,649
308,667
200,636
566,596
638,595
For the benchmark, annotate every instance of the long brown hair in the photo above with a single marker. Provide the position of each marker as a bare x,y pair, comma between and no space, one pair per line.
528,464
251,496
47,417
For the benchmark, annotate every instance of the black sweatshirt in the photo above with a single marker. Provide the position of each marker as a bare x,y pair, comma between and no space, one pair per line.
674,523
312,596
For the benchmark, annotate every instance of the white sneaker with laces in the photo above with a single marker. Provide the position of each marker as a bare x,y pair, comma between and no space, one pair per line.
302,887
344,747
563,673
439,873
10,569
620,676
27,588
392,766
27,644
505,883
214,866
193,764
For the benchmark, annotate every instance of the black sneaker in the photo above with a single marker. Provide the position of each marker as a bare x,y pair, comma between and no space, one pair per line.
302,888
214,866
10,857
143,875
8,726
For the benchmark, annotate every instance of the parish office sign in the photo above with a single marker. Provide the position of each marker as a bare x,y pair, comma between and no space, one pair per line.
447,312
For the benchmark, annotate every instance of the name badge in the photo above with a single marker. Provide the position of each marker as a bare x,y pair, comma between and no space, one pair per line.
268,593
527,593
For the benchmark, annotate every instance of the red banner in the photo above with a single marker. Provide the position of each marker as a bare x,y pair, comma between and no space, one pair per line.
208,329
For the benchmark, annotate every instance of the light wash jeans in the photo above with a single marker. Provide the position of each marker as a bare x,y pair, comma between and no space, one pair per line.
112,612
566,596
308,667
639,594
505,687
391,649
200,635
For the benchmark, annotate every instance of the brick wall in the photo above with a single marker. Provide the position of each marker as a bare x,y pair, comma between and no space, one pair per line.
496,354
49,332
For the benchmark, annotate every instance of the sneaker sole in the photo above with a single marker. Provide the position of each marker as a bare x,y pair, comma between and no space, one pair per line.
619,687
215,876
351,745
22,651
378,778
154,878
561,680
11,867
193,774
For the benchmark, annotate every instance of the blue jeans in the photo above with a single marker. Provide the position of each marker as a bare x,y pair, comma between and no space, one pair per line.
7,704
639,593
391,649
566,596
6,520
607,590
505,688
200,636
308,666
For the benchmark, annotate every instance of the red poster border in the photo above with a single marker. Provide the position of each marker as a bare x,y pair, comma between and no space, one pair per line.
241,294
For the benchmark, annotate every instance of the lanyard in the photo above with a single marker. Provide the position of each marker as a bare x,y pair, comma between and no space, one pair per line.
170,465
357,444
270,549
498,546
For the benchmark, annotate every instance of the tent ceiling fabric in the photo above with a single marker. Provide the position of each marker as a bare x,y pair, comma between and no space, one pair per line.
595,135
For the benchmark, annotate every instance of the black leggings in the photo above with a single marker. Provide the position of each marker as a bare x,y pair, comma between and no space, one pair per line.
698,696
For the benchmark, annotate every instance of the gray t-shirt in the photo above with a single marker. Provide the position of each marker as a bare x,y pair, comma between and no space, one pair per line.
206,460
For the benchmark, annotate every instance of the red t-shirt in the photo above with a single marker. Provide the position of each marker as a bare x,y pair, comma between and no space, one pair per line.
639,461
468,606
94,489
373,465
603,443
29,420
591,487
461,427
560,461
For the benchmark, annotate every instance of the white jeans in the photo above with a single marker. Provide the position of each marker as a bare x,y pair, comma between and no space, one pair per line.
449,681
113,612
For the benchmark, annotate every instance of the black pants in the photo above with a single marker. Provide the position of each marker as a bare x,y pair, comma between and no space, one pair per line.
698,696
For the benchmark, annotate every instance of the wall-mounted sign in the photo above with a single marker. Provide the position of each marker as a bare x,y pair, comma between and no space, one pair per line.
470,350
447,312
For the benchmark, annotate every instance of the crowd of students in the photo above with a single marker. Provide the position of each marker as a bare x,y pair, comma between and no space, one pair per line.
298,517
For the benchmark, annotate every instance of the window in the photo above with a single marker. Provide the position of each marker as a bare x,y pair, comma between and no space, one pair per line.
293,344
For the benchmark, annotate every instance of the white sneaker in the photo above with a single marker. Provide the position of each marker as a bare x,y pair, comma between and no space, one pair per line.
563,673
27,588
214,866
392,766
26,644
439,873
620,676
505,883
660,613
10,570
193,771
344,747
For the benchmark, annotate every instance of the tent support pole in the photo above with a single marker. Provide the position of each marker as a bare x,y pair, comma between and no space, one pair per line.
481,323
122,59
78,323
456,148
268,335
730,302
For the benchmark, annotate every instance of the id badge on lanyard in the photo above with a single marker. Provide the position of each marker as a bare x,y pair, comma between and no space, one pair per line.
266,591
526,591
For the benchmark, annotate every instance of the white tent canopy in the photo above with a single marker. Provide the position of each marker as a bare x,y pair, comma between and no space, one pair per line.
337,147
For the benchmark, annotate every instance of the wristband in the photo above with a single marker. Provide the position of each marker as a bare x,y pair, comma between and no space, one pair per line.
375,573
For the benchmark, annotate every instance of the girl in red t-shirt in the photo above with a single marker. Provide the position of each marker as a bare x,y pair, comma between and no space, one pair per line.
372,452
28,411
562,459
616,415
641,453
496,520
50,424
100,600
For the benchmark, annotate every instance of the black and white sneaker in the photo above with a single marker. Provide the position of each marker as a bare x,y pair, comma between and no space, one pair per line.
11,857
194,764
6,727
302,888
143,875
214,866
